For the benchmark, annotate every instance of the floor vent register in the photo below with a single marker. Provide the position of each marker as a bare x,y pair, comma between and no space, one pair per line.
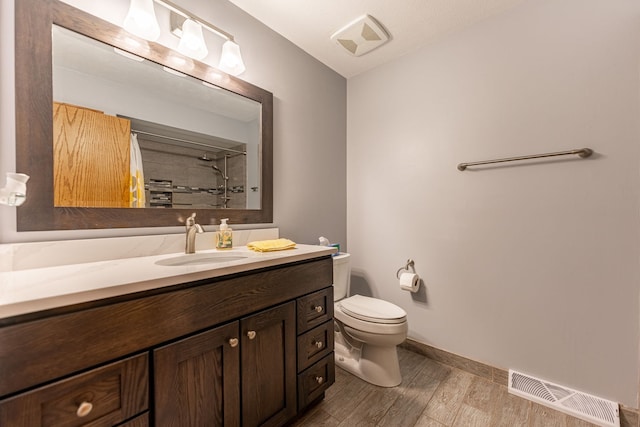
575,403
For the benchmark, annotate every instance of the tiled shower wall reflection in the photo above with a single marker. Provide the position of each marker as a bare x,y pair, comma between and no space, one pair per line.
179,178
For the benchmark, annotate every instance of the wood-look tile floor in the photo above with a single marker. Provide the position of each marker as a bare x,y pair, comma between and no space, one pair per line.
430,395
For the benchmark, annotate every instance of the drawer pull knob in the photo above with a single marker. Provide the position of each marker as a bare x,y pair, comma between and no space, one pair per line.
318,308
84,409
319,380
318,344
233,342
251,334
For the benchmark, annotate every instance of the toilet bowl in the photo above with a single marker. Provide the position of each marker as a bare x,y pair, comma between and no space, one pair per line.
367,331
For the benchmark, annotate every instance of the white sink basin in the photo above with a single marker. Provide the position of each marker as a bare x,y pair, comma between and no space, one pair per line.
198,259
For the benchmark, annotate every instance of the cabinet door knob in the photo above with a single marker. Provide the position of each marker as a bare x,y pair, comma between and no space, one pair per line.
251,334
319,380
233,342
84,409
318,344
318,308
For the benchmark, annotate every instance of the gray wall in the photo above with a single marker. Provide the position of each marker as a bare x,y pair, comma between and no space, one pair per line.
309,123
534,267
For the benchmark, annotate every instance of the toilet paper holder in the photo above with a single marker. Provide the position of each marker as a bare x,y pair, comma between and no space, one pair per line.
409,263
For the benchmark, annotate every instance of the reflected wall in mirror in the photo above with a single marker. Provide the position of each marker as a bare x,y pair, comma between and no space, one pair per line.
196,139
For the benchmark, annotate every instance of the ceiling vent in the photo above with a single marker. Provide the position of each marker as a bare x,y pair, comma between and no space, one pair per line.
361,36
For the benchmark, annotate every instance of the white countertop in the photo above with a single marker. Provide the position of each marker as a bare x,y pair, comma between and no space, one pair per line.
31,290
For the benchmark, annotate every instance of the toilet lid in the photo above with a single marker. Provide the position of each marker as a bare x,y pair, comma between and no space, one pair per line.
372,309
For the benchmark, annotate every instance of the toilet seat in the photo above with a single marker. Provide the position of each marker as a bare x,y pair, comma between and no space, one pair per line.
372,310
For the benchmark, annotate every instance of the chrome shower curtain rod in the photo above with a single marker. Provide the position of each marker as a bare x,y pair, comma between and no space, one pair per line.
187,141
582,152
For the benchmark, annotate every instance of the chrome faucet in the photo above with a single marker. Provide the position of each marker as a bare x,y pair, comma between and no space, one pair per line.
192,229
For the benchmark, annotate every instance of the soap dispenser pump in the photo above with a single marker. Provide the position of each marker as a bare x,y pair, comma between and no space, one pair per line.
224,236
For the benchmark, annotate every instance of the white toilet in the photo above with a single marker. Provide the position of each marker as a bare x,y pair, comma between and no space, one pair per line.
367,330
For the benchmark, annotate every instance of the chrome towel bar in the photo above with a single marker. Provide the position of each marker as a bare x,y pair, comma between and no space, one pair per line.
582,152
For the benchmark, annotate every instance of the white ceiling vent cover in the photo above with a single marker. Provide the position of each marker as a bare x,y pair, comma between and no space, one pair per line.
361,36
581,405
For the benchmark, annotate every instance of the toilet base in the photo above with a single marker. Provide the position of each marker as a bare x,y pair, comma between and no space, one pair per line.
374,364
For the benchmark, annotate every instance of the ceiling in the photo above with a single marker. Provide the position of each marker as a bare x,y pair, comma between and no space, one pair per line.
411,24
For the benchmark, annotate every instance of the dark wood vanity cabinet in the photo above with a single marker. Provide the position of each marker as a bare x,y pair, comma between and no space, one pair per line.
243,350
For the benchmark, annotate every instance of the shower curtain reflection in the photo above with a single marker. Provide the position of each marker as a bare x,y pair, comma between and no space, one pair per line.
136,187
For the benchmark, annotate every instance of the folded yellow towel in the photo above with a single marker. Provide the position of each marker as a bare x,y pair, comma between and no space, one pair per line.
271,245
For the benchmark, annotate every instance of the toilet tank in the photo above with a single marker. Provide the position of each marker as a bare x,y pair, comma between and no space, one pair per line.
341,275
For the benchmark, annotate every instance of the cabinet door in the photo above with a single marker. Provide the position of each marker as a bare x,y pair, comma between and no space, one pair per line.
268,348
197,380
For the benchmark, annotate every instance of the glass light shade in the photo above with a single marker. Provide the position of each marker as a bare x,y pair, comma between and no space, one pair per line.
192,42
141,20
231,59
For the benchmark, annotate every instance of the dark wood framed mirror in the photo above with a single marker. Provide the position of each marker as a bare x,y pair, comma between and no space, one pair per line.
34,124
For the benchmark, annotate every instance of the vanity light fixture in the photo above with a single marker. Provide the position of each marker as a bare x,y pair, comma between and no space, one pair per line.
189,28
141,20
14,193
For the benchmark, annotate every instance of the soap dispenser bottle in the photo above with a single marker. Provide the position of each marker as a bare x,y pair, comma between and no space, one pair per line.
224,236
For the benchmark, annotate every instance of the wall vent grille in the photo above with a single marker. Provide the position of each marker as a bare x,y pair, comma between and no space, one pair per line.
578,404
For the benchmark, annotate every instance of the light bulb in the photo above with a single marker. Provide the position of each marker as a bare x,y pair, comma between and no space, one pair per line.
141,20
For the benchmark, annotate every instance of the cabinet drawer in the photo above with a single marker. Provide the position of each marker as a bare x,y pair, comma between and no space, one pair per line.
314,309
315,380
314,345
103,396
